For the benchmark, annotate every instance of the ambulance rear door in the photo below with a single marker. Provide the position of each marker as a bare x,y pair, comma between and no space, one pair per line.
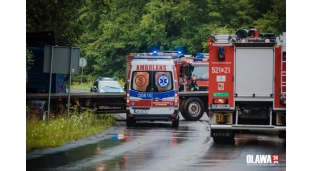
140,87
163,87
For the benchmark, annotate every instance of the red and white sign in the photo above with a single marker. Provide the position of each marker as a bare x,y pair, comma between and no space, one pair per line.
262,159
151,67
220,86
223,70
140,80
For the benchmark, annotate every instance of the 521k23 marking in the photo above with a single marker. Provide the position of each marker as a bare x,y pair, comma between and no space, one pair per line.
225,70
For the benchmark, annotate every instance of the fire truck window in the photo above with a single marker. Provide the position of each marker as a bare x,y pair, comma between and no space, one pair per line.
163,81
201,72
140,81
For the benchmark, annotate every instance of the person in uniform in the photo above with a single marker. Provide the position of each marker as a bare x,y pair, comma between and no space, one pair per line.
193,86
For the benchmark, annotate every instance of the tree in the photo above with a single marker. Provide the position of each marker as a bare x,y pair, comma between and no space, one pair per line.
57,16
106,30
109,37
29,59
274,20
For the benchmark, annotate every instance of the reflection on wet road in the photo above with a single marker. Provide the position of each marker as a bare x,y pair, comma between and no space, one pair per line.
156,146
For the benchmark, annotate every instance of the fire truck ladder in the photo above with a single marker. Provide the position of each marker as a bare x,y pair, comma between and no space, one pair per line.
283,75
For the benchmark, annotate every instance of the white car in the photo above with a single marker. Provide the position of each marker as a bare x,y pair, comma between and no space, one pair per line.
103,85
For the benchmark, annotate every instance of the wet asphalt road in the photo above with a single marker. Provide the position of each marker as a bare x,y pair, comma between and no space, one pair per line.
156,146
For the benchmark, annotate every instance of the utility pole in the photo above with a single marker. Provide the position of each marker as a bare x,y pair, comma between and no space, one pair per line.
286,30
25,81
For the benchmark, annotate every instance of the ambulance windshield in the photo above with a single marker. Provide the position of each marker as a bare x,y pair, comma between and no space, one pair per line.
152,81
201,72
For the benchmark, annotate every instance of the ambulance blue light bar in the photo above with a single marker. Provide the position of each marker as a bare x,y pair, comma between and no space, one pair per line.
152,57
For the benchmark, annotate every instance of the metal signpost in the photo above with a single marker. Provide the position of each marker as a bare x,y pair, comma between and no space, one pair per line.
286,29
82,63
62,60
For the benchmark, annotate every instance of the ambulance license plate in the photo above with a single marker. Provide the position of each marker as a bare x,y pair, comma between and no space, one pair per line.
141,111
220,106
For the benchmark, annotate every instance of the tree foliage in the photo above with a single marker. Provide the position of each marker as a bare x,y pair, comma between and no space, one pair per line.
56,15
107,31
29,59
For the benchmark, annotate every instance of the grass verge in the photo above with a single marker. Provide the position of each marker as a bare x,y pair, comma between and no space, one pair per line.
40,135
82,86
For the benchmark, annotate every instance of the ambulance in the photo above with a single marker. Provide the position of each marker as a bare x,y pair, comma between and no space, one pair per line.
152,89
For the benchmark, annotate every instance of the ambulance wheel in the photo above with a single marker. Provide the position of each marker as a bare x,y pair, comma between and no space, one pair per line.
193,109
175,123
130,122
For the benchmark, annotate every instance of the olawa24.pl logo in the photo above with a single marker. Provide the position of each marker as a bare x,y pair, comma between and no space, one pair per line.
262,159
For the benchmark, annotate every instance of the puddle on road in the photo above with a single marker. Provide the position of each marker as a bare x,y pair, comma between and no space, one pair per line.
118,163
161,141
124,162
175,137
136,159
74,154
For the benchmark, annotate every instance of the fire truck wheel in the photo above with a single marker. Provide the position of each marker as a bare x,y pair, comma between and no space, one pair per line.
130,122
182,110
193,109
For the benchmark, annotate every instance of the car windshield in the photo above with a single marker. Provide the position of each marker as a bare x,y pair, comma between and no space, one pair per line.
201,72
109,84
152,81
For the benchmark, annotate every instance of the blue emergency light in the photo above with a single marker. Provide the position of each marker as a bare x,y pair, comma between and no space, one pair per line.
200,55
152,57
197,59
155,53
180,54
221,53
107,79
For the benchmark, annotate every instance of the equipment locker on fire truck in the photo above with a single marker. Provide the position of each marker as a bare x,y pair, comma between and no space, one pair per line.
247,84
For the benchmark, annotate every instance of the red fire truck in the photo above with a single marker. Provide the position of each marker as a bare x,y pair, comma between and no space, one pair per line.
247,84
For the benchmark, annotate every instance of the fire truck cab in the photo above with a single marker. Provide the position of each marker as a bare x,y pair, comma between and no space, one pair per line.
193,104
189,66
247,84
